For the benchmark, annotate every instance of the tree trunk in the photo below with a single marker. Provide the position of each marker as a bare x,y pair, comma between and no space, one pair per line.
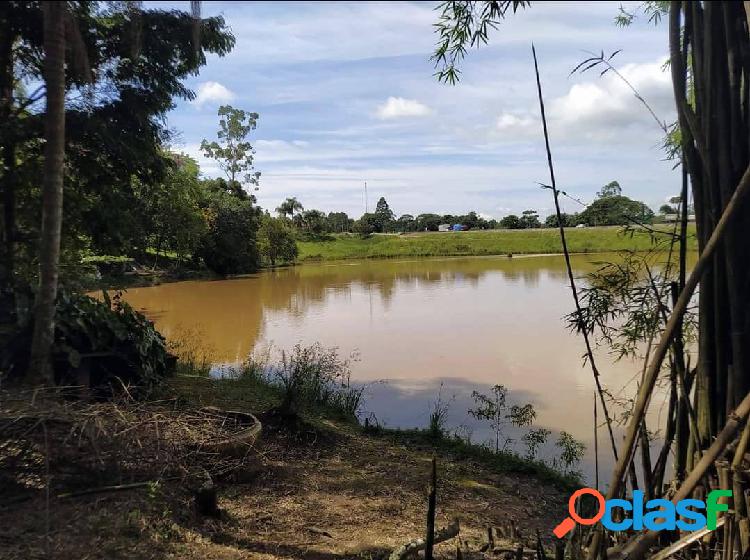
40,367
7,181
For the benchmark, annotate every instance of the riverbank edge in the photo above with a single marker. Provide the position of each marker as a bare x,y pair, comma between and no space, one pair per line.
256,395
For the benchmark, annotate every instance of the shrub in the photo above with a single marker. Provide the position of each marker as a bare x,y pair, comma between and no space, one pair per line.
97,343
438,416
315,376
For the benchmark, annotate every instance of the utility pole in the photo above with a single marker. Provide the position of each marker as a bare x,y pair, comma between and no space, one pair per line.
367,210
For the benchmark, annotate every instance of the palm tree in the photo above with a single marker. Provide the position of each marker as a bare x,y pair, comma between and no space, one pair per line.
40,367
289,207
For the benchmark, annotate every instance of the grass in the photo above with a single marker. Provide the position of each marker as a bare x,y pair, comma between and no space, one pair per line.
477,243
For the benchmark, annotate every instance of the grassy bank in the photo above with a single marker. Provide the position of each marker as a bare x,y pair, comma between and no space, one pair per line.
470,243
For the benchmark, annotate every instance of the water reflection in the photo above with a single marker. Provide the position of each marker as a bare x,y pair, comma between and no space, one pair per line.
471,322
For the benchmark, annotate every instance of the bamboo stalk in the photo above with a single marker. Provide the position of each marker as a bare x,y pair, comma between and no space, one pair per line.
596,447
637,547
646,389
569,268
685,541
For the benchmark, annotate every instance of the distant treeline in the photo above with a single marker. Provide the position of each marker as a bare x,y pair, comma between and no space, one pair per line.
610,208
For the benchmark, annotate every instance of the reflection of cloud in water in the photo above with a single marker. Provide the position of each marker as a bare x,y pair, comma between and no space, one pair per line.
406,403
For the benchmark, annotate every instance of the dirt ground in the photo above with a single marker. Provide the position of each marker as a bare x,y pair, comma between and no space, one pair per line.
334,494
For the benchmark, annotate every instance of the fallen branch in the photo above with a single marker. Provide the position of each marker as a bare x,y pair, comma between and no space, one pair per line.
318,531
412,547
102,489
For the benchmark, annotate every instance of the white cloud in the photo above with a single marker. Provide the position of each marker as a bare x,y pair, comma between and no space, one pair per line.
397,107
212,92
601,108
608,102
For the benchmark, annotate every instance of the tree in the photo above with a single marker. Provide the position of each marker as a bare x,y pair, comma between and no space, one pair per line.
229,245
534,439
610,189
616,210
289,207
366,225
314,221
339,222
494,408
667,209
40,368
172,214
233,152
530,219
383,216
276,240
428,222
511,222
568,220
124,71
405,223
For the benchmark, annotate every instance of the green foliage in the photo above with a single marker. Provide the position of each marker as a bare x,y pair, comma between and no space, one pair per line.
568,220
463,24
534,439
276,241
654,10
313,221
494,409
289,207
366,225
233,152
428,222
315,376
339,222
510,222
612,188
616,210
571,452
667,209
105,340
529,219
383,216
172,217
229,246
437,424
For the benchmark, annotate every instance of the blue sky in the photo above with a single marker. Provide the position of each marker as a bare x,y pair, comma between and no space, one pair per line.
346,94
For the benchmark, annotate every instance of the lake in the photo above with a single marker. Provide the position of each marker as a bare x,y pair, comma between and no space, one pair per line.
421,328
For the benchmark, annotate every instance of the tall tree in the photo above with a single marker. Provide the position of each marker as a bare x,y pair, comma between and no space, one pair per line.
612,188
290,207
383,215
52,192
233,152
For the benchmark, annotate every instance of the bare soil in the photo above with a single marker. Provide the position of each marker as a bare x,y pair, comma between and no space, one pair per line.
331,492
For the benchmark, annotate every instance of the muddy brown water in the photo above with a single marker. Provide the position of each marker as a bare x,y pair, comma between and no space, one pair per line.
422,328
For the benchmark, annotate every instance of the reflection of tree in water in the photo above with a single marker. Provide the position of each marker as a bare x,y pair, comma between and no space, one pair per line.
233,313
